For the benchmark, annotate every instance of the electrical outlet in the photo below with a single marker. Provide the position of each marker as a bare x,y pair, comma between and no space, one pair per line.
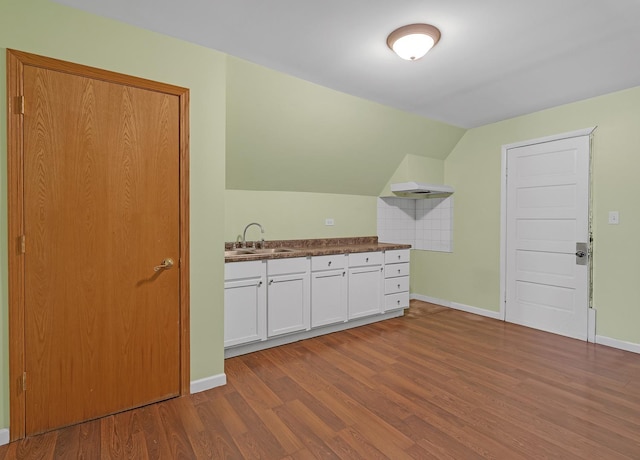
614,218
329,222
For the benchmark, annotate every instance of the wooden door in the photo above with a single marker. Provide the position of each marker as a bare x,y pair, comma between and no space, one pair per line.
101,211
547,284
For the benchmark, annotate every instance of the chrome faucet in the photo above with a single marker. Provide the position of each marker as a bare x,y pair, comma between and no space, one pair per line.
244,234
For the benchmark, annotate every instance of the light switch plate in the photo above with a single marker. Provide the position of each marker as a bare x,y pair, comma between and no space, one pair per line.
614,217
329,222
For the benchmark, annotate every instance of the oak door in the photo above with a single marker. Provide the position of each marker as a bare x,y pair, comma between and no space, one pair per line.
101,211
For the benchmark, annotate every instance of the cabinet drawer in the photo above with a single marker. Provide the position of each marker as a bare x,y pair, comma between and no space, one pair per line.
393,285
239,270
361,259
395,301
284,266
331,262
396,256
393,270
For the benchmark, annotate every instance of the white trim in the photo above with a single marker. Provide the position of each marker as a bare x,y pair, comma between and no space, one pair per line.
4,436
476,310
458,306
591,332
208,383
552,138
434,300
620,344
599,339
503,232
503,200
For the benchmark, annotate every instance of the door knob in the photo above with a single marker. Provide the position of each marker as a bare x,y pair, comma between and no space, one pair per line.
582,251
166,263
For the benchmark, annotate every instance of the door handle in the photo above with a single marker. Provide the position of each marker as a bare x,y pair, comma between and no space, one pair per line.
166,263
582,251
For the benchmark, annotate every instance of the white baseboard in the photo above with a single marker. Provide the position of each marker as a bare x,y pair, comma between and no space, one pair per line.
621,344
426,298
4,436
208,383
609,342
458,306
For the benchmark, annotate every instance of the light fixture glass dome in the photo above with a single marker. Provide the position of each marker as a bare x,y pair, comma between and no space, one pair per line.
413,41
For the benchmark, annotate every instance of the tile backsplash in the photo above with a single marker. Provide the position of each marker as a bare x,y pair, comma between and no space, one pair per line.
425,224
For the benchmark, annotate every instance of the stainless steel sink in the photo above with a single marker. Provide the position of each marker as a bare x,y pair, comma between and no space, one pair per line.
272,250
238,252
249,252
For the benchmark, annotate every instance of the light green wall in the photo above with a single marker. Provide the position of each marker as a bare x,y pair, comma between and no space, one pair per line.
46,28
287,134
298,215
470,275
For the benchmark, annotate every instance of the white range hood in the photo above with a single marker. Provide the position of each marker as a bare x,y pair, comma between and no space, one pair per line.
420,190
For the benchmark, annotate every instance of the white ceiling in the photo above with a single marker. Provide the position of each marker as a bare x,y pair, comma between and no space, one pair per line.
497,58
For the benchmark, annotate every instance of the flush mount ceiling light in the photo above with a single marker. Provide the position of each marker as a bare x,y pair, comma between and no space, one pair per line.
413,41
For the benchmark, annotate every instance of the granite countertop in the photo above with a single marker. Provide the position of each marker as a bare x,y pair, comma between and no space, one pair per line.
314,247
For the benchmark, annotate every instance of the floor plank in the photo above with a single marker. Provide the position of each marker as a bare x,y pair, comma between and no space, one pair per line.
434,384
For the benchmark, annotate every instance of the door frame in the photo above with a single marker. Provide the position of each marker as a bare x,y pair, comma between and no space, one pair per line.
503,219
16,60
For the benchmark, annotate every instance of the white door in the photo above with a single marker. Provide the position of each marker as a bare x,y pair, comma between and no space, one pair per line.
547,283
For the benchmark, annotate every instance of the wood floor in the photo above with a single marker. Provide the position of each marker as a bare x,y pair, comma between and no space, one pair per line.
436,383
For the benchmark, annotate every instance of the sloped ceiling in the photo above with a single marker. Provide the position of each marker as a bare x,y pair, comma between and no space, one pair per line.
497,58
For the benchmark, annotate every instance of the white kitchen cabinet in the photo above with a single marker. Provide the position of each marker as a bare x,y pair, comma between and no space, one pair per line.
366,287
276,301
288,296
328,290
396,283
245,303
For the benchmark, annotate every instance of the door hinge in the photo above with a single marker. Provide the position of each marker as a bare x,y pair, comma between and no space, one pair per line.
23,244
19,105
24,381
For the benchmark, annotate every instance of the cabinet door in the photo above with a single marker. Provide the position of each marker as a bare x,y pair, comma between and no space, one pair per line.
288,298
244,311
328,297
365,291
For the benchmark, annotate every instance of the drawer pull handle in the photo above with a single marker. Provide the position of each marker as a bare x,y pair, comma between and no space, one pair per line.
398,270
398,302
398,286
367,259
399,257
329,263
